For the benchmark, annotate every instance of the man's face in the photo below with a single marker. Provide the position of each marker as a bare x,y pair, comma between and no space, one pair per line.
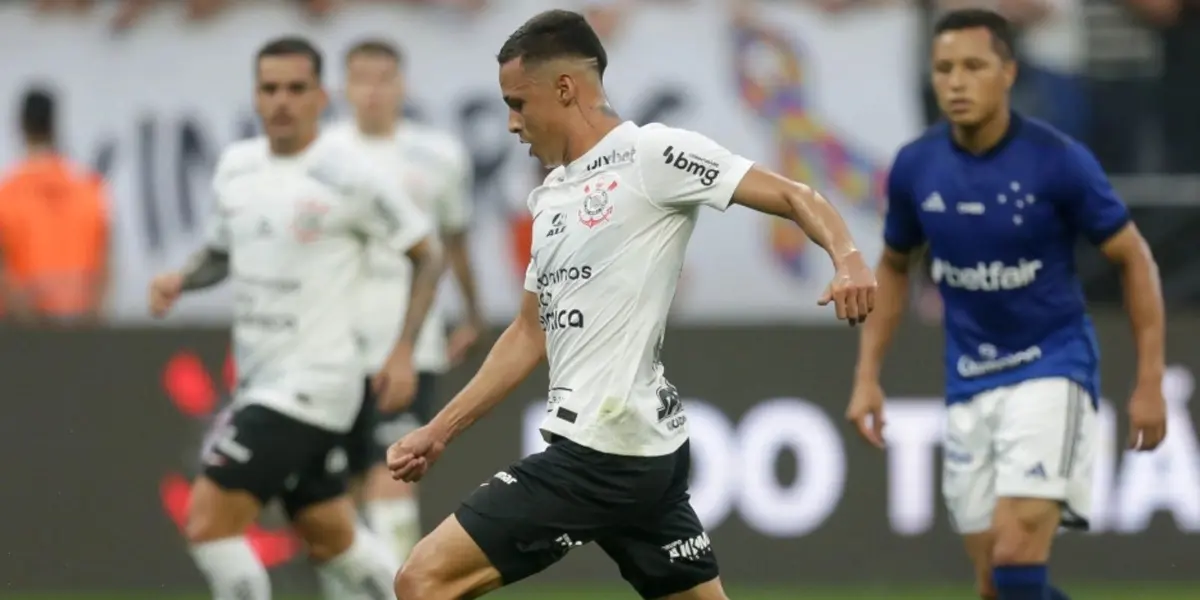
535,112
374,86
970,78
289,97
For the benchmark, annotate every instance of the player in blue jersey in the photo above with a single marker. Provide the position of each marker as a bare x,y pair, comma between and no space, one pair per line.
1000,200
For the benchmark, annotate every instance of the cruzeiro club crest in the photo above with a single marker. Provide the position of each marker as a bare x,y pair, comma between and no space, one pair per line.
597,206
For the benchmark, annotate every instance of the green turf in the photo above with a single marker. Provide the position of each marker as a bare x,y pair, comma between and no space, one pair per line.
1085,592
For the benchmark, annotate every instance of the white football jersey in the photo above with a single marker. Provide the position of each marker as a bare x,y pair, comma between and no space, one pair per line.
435,170
296,229
609,235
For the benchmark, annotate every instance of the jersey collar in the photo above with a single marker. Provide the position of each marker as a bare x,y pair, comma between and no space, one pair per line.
620,134
1015,122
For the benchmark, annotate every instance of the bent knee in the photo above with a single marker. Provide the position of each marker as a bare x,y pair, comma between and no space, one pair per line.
416,581
1024,530
215,513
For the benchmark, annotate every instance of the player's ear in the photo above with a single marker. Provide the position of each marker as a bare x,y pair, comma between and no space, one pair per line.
566,89
1010,72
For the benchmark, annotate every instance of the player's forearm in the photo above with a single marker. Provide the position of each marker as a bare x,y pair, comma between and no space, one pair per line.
514,356
820,222
427,268
206,268
460,262
890,300
1143,301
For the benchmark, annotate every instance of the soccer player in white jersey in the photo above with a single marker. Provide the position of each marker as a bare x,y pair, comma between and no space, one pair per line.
293,209
435,170
611,225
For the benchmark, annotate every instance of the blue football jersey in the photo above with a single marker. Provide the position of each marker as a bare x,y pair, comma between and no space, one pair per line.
1002,229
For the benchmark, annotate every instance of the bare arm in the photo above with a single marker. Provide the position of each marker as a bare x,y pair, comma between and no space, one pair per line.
1143,300
515,354
206,268
427,265
769,193
890,300
459,257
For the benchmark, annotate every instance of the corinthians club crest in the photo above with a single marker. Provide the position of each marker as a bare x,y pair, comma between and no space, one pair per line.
597,206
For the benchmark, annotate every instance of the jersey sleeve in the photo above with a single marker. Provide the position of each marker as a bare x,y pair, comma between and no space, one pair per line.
901,226
1088,200
216,234
453,201
531,278
684,169
388,215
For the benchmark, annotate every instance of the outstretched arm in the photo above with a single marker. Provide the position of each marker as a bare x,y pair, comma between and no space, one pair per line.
773,194
513,357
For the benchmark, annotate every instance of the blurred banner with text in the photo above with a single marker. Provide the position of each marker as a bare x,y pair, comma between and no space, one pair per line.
103,430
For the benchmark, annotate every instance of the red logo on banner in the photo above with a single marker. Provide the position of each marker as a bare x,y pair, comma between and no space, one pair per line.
192,390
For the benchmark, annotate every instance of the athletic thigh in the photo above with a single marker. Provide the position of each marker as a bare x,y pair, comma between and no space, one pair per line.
1045,442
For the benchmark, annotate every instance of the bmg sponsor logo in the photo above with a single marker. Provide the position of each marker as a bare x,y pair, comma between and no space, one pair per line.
707,170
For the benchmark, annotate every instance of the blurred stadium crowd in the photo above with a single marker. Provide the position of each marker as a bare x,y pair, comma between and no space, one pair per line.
1119,75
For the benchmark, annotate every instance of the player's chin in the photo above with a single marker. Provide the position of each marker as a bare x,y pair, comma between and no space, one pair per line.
965,118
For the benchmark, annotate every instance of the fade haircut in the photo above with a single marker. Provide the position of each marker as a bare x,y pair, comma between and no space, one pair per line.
552,35
1003,36
376,47
292,46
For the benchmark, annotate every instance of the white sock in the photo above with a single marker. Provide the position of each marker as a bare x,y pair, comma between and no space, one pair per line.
232,569
365,571
397,522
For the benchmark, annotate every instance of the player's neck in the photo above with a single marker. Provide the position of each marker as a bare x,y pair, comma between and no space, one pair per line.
384,128
39,149
985,136
292,147
596,124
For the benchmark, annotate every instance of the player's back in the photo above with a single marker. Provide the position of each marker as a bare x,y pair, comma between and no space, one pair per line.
291,225
1002,229
54,233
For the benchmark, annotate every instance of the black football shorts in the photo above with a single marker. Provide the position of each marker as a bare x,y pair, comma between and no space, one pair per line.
528,516
271,455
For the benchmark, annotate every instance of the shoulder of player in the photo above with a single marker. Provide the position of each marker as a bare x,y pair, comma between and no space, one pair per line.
241,156
654,138
438,144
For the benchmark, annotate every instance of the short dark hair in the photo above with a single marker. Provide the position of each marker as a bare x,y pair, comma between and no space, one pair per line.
37,114
1003,36
554,34
292,46
376,47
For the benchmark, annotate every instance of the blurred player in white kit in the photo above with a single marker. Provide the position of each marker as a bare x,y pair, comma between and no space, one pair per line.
295,212
435,170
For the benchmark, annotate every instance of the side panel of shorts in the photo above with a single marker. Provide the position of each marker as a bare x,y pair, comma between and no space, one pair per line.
1036,439
530,515
270,455
361,451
